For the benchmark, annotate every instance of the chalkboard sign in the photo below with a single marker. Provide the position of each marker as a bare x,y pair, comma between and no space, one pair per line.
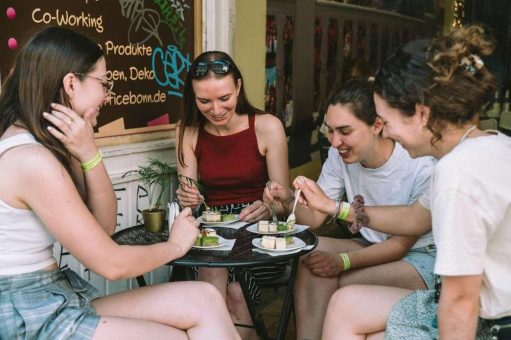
149,46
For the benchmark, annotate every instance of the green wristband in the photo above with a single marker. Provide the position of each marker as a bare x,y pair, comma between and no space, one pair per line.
345,261
344,211
87,166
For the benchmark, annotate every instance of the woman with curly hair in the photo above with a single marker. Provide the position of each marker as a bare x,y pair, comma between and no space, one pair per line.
429,94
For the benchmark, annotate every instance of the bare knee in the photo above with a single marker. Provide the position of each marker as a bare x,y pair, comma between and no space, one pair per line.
235,294
206,294
343,298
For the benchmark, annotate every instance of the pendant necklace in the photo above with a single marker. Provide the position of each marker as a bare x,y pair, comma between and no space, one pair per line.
465,135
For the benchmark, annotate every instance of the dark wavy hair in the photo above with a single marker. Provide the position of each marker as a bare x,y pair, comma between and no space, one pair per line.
357,95
433,73
192,116
35,82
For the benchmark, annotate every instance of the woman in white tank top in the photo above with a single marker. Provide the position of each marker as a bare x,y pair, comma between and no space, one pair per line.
55,186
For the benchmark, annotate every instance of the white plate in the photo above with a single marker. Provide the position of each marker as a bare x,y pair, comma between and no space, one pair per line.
221,242
297,245
298,229
236,219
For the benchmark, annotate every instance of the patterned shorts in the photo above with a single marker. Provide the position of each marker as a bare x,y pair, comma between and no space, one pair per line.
414,317
47,305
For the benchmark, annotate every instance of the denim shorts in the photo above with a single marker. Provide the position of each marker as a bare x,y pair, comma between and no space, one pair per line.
415,317
47,305
422,259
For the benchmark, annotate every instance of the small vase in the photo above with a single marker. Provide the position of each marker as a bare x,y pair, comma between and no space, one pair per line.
154,220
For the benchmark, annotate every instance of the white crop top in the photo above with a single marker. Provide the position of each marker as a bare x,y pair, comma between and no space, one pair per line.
25,243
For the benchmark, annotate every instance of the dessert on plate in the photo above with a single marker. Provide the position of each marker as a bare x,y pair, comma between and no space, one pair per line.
277,243
207,238
211,216
272,227
227,217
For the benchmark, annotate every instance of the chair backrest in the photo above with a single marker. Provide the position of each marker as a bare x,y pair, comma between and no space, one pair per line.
505,120
488,124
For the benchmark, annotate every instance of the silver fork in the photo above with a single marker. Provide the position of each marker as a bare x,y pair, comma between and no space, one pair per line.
273,217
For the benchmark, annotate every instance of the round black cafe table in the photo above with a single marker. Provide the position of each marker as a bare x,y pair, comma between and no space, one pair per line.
239,257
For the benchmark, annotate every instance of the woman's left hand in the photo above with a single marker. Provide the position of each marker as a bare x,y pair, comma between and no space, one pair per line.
75,133
255,212
323,264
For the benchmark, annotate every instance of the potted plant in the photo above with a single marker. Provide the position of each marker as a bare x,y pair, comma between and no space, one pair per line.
155,176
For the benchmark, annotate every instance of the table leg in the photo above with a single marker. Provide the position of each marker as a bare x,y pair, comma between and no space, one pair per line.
288,300
257,318
181,273
141,281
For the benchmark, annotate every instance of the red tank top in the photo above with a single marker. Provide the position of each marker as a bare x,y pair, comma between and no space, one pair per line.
231,167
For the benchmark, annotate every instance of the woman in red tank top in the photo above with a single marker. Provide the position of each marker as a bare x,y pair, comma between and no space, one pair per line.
233,149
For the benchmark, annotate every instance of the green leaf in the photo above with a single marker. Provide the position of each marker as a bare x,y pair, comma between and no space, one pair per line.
155,176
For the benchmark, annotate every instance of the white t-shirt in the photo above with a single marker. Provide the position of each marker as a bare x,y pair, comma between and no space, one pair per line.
470,203
400,181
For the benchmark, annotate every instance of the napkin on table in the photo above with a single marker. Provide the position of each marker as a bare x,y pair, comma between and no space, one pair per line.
227,246
173,212
235,225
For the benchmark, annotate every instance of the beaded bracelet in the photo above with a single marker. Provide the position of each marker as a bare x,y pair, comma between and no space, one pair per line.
361,218
337,208
346,264
87,166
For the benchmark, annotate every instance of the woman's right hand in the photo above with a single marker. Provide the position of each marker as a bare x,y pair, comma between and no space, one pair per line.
76,133
275,191
312,195
189,196
184,231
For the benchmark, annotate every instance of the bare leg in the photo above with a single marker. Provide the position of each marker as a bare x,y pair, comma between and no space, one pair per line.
399,274
125,328
216,276
347,316
234,298
239,311
311,293
375,336
175,306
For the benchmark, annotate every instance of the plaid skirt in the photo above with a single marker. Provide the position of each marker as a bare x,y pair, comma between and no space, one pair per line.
47,305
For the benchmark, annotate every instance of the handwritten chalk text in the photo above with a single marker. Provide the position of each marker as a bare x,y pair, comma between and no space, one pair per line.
68,19
136,50
136,74
131,98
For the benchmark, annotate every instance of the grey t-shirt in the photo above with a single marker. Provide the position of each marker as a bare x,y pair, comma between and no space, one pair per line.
400,181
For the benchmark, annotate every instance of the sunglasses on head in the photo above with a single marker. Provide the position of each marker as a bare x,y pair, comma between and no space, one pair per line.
217,66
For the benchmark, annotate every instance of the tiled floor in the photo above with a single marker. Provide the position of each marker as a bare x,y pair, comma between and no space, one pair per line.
271,308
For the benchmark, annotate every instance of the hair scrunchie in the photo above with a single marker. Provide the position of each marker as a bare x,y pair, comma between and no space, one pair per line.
361,218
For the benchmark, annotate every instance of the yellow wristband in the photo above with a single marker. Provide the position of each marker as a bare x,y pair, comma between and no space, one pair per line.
344,211
87,166
345,261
